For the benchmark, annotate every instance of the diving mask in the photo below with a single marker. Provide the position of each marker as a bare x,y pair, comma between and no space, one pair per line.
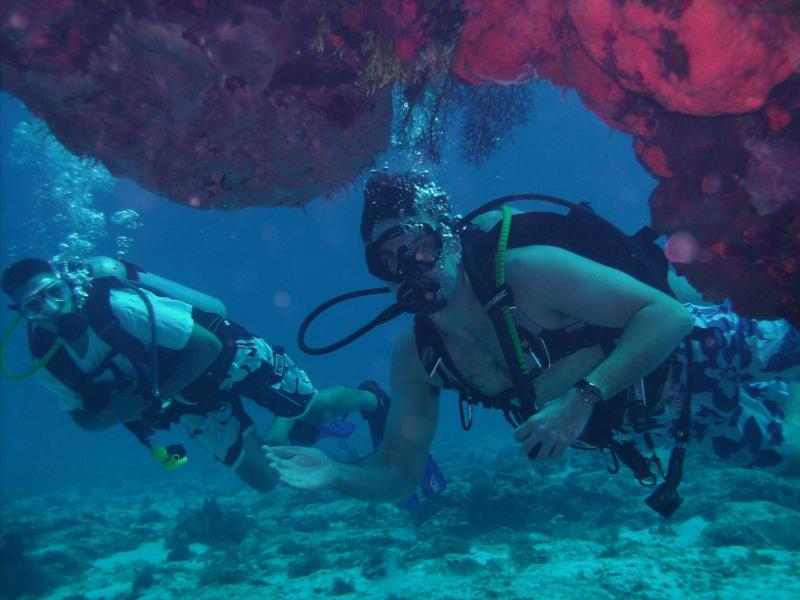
45,302
404,252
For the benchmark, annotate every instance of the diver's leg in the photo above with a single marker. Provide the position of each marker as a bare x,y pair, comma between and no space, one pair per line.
278,432
252,467
230,435
337,400
738,400
275,382
269,377
746,350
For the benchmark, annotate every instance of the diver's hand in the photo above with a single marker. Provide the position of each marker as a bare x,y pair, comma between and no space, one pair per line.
118,408
302,468
548,433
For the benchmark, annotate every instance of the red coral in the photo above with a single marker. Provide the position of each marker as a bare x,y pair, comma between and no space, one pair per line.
701,57
654,157
508,41
405,23
226,104
731,183
735,189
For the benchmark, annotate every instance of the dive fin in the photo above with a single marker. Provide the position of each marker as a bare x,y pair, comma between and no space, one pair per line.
306,434
432,483
433,480
376,418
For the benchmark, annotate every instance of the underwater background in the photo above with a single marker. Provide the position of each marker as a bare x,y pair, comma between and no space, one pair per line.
91,515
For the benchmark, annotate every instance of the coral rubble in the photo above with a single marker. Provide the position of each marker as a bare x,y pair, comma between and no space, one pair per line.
501,529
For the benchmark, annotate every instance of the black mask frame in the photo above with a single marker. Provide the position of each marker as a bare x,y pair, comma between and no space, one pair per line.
407,265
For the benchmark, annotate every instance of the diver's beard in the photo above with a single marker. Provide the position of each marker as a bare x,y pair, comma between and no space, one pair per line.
420,296
435,303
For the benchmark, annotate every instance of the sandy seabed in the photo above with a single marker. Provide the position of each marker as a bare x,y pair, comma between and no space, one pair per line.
500,530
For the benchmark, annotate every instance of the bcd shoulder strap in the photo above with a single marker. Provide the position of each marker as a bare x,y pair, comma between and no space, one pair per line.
97,309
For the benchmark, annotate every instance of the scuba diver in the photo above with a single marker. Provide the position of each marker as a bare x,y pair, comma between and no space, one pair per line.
566,325
127,346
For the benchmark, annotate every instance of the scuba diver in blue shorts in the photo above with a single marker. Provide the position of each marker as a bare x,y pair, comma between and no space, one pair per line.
127,346
569,327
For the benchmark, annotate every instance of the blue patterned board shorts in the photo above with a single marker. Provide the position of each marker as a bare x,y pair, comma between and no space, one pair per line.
739,375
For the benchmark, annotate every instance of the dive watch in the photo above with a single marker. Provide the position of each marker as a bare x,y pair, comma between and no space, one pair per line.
590,393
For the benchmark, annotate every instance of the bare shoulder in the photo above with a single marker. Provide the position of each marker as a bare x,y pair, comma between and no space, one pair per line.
526,259
489,219
533,272
555,281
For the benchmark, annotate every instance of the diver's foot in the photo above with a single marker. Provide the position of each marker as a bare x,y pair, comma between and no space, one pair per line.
376,418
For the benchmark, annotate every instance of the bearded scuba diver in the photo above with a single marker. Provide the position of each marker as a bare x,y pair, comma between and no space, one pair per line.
405,254
404,263
409,238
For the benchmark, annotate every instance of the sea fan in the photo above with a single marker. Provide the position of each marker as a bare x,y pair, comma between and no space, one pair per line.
485,117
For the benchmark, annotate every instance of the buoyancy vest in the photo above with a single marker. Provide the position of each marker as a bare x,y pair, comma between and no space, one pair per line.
95,392
581,232
586,234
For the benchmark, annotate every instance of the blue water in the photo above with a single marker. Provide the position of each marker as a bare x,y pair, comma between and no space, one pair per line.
99,519
246,257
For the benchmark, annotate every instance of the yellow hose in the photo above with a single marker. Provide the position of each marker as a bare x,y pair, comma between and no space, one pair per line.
36,366
500,276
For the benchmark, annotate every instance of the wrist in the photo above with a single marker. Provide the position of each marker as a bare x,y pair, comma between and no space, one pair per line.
589,393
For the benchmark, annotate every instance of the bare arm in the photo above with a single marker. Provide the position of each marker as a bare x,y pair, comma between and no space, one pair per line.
393,471
570,287
200,351
557,288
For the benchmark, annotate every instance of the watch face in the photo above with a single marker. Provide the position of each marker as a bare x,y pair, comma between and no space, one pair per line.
590,392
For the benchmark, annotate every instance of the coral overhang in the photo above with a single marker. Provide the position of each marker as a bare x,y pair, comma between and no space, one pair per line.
237,102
